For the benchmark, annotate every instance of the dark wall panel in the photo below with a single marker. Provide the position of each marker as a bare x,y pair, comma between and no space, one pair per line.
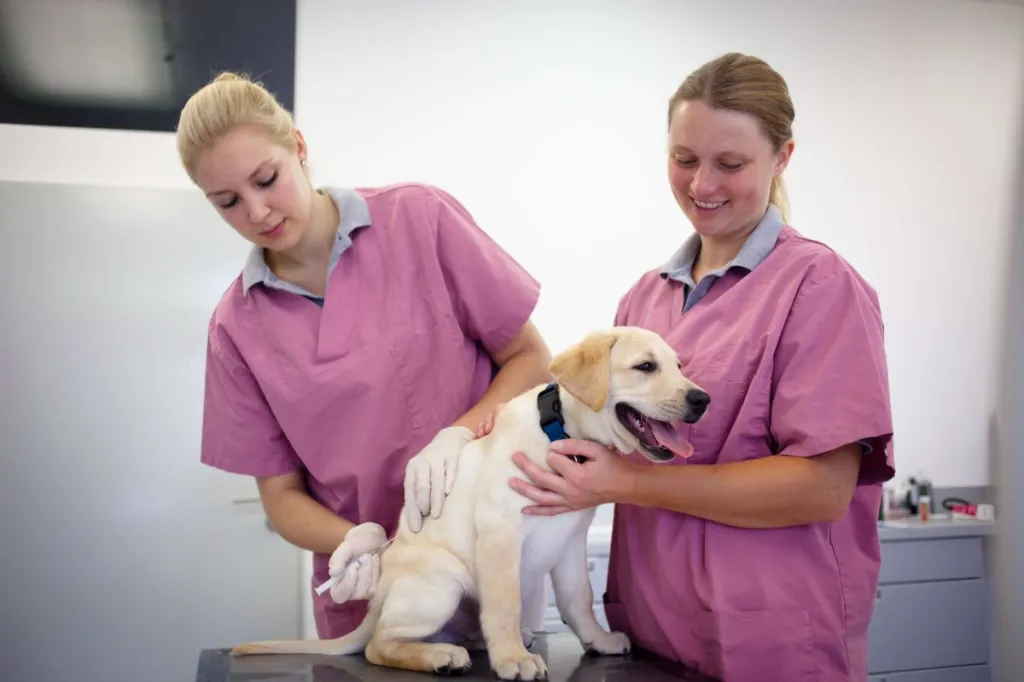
199,39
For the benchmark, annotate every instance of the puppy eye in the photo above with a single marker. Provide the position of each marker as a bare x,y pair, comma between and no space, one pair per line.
645,367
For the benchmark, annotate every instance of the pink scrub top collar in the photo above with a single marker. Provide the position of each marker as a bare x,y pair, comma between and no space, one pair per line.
754,250
354,212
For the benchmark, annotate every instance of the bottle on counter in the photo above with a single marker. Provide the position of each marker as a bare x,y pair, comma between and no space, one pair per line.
924,506
924,499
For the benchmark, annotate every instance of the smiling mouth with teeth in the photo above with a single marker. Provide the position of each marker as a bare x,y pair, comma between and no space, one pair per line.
708,205
657,438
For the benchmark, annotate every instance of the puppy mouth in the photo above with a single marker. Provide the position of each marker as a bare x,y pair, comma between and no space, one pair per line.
657,438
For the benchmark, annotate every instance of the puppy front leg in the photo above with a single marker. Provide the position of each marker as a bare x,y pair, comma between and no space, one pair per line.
498,550
575,600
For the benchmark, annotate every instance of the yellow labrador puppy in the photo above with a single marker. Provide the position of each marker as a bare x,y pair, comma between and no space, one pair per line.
621,387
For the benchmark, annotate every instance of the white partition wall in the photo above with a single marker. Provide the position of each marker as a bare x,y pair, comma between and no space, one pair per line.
121,556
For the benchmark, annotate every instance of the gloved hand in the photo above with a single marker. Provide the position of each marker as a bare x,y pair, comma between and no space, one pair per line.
359,582
430,475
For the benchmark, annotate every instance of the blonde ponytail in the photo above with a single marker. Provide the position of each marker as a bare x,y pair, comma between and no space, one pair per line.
779,197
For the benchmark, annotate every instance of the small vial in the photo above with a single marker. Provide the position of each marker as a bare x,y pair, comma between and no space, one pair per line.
924,506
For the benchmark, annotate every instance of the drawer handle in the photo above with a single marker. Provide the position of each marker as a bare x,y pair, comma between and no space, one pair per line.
878,596
590,566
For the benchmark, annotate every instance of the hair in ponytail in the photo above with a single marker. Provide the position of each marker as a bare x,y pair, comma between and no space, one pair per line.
228,101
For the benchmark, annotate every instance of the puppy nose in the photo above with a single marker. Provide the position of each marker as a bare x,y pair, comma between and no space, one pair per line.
697,399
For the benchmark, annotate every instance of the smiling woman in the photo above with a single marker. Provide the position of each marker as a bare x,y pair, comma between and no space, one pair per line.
359,341
756,556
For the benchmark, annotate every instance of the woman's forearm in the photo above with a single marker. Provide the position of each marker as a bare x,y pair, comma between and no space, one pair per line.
519,374
523,365
770,492
301,520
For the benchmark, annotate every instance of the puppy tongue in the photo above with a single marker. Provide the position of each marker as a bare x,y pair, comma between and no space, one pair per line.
667,437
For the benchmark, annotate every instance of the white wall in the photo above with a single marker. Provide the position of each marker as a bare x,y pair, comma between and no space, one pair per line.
547,120
90,156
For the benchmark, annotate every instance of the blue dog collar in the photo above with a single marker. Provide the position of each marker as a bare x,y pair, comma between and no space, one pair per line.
551,419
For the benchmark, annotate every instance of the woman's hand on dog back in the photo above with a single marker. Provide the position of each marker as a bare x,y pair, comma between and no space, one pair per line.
488,424
430,475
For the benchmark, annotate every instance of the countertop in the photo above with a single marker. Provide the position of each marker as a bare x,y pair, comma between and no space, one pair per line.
562,652
937,526
911,528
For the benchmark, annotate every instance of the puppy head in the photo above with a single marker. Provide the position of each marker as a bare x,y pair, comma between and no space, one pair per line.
633,376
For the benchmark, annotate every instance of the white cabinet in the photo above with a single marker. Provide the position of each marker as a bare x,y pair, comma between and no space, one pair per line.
931,617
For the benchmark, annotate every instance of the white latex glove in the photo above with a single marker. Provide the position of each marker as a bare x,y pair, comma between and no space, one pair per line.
359,582
430,475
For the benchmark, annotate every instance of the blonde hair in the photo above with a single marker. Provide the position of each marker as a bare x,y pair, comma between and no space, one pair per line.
746,84
228,101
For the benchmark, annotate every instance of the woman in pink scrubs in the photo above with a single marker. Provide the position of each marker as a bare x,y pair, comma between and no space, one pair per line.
367,330
755,559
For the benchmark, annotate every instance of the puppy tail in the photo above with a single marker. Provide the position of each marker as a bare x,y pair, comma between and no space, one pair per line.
353,643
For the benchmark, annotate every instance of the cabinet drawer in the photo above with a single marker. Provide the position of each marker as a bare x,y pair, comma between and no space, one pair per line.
920,560
928,625
973,673
597,567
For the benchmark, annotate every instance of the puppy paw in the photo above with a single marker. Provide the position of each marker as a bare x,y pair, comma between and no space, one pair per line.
528,667
609,644
448,659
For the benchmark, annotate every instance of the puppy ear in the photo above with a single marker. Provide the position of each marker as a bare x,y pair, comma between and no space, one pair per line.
584,370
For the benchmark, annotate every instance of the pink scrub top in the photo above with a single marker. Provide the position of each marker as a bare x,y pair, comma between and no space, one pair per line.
788,341
346,389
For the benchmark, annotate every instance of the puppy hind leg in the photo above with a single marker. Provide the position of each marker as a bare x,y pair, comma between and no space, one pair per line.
574,598
415,609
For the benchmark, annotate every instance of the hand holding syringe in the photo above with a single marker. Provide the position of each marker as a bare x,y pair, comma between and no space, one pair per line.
351,566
